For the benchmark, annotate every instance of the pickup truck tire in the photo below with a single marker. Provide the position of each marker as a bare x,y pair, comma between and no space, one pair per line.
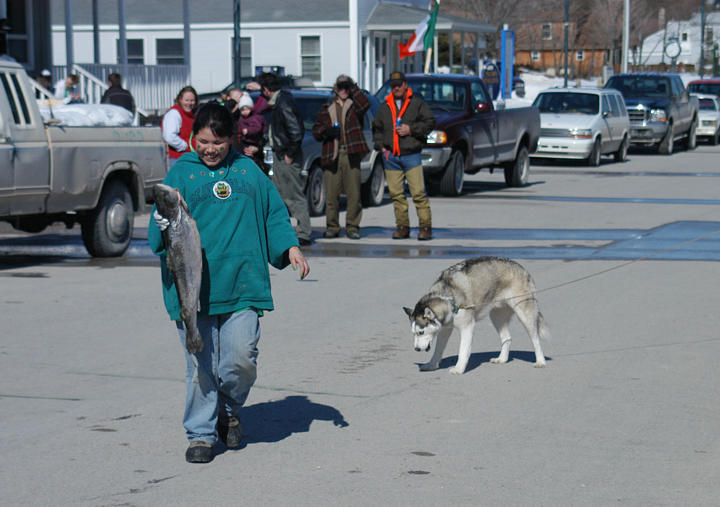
666,145
621,153
517,172
691,141
373,189
315,191
451,183
593,159
107,231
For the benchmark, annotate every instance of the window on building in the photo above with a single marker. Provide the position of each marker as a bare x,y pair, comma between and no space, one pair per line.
19,43
169,52
684,36
246,69
311,57
535,56
709,36
135,51
579,55
547,31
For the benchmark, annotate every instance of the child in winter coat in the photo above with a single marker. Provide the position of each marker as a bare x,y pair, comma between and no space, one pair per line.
251,128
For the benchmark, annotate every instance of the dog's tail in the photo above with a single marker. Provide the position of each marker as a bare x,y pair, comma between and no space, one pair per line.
542,327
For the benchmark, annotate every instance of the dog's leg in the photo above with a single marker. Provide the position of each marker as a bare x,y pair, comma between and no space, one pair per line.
440,343
465,322
500,318
527,312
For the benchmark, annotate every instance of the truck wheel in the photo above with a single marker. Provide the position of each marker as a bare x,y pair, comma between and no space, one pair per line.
621,154
518,171
593,159
715,140
666,145
373,189
451,183
107,231
691,142
315,191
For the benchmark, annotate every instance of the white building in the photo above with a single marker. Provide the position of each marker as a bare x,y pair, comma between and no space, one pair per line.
319,39
688,36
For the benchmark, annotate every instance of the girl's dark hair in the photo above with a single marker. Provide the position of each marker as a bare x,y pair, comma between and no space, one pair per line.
182,92
216,117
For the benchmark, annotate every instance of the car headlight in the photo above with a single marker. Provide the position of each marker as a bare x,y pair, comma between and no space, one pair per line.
437,137
658,115
580,133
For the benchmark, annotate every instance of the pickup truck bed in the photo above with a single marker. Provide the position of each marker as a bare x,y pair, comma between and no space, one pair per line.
95,176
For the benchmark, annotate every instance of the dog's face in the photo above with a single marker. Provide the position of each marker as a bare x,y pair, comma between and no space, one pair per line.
424,325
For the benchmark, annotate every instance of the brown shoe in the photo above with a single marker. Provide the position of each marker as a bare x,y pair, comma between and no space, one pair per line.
425,233
402,232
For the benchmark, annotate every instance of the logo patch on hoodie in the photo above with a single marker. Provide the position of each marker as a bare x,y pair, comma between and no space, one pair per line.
222,190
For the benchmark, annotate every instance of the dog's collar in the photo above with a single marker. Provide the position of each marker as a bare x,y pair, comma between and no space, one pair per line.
455,308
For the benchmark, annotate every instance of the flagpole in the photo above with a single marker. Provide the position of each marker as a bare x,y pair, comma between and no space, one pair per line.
428,58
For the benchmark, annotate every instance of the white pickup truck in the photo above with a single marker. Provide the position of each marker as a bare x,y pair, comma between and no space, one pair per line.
95,176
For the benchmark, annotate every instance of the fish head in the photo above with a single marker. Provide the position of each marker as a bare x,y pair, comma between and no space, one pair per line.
167,200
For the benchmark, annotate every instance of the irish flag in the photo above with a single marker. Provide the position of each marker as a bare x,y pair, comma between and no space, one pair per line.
422,39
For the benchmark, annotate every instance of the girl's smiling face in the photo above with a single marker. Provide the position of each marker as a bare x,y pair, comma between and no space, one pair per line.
211,149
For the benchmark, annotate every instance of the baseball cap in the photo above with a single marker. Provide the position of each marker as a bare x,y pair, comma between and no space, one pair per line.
397,78
45,72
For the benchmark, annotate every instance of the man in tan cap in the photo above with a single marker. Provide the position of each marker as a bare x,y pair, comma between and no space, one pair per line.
399,131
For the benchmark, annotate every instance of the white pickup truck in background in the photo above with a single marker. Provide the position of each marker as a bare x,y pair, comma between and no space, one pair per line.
98,177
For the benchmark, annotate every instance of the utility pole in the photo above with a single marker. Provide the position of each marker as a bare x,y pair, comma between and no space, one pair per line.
237,70
626,36
567,23
122,39
702,38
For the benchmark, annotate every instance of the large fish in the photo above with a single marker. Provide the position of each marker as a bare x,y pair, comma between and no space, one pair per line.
183,258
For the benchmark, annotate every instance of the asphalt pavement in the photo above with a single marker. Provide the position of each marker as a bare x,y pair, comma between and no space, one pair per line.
625,258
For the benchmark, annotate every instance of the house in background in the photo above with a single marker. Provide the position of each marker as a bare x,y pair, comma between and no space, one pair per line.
651,54
540,46
317,39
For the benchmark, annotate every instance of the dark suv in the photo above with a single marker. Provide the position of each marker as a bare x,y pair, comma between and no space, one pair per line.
660,108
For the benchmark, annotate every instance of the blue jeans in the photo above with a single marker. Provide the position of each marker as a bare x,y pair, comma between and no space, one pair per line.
227,369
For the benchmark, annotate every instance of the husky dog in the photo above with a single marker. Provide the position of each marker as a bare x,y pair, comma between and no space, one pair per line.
463,294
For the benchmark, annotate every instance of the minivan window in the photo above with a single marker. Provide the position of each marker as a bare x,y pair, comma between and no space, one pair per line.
614,106
567,103
606,105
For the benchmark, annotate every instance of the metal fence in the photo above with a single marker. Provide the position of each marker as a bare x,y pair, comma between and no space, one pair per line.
154,87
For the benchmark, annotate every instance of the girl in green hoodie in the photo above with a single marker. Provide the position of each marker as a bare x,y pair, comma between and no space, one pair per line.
244,226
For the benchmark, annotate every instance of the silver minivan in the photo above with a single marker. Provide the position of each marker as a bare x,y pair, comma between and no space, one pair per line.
582,123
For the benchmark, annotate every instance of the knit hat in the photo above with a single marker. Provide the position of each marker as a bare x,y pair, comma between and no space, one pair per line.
245,101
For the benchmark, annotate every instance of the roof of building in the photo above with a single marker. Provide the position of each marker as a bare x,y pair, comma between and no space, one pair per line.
142,12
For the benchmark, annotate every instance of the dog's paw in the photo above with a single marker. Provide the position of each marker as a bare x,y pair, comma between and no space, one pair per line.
498,360
540,365
456,371
428,367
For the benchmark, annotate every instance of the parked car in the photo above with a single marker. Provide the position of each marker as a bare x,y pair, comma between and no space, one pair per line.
372,175
288,82
660,108
582,123
97,177
710,86
470,133
709,123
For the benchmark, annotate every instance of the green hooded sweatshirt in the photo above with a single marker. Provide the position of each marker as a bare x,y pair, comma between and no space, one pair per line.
243,225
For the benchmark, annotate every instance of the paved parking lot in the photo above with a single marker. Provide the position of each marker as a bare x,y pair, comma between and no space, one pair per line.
625,257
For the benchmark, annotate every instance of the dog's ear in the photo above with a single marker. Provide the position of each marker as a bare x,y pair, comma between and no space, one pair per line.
429,314
408,311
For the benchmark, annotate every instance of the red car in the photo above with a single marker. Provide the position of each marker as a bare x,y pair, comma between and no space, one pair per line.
710,86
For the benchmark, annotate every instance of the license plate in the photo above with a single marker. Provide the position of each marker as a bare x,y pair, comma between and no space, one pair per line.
268,156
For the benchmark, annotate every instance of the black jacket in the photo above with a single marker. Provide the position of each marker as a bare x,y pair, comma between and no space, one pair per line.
119,96
286,126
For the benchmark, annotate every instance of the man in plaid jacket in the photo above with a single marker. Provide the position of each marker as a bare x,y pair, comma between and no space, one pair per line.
339,128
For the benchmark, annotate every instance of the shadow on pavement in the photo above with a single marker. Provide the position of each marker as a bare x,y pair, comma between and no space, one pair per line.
273,421
478,358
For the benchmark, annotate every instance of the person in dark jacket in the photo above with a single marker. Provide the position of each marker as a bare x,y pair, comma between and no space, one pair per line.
339,128
400,128
118,95
285,134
